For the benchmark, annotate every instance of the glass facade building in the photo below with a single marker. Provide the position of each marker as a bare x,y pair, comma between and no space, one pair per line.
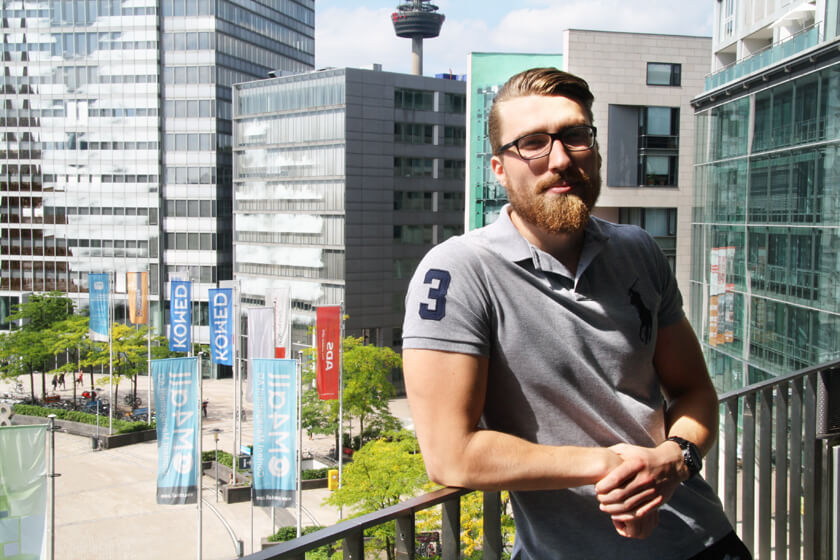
344,179
765,281
116,136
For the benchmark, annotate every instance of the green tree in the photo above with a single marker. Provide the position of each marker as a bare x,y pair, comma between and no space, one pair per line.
26,350
383,473
367,391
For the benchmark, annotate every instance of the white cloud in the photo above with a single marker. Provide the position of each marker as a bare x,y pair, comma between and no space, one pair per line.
358,36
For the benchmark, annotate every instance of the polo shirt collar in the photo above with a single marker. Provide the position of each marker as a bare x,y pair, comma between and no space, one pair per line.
508,242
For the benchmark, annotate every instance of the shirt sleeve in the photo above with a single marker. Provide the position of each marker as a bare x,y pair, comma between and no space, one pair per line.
671,306
447,304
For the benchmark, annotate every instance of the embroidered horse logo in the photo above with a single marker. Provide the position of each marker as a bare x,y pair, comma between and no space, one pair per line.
644,314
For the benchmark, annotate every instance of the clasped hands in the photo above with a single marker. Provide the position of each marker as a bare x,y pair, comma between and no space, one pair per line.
632,492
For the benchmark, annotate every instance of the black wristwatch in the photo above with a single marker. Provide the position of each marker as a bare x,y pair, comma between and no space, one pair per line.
691,455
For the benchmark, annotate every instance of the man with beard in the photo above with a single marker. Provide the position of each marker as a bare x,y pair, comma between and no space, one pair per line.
537,351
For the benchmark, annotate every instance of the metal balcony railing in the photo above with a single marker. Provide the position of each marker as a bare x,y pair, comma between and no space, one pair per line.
772,467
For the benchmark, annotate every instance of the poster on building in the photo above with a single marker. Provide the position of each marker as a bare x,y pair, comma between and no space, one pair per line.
99,292
721,296
275,432
328,339
23,491
176,383
221,325
180,316
137,286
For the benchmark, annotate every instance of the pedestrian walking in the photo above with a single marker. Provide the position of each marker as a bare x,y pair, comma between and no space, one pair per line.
55,382
61,381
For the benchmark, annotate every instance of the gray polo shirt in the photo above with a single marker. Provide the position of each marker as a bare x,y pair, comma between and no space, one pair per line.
570,363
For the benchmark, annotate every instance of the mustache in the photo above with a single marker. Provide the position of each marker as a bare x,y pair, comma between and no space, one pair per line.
573,177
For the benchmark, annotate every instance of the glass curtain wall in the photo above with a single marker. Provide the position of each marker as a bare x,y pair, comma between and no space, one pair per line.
766,274
79,164
289,181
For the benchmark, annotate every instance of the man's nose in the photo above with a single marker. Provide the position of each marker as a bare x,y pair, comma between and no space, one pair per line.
558,158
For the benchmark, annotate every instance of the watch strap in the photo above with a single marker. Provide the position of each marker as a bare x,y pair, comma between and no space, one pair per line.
691,454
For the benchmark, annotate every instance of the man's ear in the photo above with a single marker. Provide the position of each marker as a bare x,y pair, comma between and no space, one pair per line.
498,170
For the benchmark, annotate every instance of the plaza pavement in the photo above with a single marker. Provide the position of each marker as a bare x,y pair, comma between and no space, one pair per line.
105,499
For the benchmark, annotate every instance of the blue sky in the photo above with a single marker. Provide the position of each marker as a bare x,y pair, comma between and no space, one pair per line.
359,33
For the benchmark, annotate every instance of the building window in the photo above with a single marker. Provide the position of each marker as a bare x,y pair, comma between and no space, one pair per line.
413,133
413,167
455,103
413,235
660,223
455,136
414,99
451,201
409,200
454,169
650,132
663,74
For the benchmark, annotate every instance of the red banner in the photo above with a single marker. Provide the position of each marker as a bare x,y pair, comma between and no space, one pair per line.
328,327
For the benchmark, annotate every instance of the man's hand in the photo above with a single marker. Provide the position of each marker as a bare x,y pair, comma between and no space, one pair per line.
640,528
645,480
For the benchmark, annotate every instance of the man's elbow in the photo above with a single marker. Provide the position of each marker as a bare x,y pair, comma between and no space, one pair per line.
446,471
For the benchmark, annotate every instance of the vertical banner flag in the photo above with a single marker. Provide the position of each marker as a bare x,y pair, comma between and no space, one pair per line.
275,432
260,341
176,402
180,316
99,292
221,325
137,285
281,299
23,491
328,327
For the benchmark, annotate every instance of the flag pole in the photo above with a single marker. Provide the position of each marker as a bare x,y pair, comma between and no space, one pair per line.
148,349
299,458
236,404
111,355
341,399
199,473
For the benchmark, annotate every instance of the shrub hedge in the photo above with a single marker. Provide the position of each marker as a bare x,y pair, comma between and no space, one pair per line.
120,426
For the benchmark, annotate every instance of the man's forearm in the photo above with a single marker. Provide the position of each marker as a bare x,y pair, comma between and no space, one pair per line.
490,460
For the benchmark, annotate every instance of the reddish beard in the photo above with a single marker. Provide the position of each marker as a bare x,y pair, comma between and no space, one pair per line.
558,213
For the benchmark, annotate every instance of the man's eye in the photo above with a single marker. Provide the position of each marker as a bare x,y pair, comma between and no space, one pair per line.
532,143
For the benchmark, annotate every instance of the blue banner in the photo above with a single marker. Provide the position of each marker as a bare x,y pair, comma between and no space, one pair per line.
176,385
275,432
180,316
99,291
221,325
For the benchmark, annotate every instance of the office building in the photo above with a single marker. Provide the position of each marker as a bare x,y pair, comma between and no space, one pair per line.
643,86
116,137
344,178
765,284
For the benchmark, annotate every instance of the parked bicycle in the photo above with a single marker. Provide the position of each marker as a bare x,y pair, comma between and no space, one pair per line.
132,401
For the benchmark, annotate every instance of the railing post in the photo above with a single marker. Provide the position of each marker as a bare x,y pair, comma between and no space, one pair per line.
781,478
451,529
405,537
765,472
354,546
492,526
748,473
730,461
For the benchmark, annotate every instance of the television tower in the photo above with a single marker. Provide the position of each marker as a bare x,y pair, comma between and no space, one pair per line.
417,20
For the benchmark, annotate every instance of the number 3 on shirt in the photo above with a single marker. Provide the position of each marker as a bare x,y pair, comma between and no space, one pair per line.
438,282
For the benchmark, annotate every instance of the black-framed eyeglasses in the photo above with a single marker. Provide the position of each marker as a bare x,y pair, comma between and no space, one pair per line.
538,144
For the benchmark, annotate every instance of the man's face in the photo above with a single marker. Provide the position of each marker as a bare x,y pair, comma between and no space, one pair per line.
556,193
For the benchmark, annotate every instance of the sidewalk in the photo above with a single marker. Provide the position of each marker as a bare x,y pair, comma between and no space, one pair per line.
105,500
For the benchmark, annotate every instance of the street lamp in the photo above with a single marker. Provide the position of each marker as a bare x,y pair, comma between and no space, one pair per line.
216,432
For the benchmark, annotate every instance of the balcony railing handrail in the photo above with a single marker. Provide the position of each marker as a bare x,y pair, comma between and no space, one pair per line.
797,518
355,525
759,385
759,52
